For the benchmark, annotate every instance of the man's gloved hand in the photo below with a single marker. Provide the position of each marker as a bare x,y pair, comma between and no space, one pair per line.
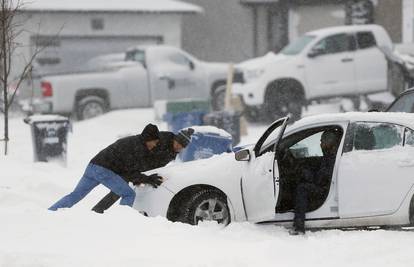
154,180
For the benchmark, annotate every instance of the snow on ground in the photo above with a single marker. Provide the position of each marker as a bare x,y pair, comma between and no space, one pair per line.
30,235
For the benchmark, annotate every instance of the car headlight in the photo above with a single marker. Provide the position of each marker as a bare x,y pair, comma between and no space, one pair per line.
253,74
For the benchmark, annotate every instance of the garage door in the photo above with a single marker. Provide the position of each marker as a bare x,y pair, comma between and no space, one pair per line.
63,54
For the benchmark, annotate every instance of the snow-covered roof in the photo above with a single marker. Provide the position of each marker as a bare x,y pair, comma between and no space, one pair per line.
145,6
405,119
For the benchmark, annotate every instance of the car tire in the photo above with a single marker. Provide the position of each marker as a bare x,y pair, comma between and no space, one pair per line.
219,98
205,205
279,102
90,107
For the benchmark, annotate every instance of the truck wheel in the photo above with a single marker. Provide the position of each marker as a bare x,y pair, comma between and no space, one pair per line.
206,205
90,106
218,98
281,102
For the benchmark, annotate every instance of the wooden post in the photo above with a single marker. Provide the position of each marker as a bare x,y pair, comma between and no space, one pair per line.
227,99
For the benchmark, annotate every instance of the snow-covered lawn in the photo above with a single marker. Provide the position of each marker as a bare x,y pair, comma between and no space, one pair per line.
32,236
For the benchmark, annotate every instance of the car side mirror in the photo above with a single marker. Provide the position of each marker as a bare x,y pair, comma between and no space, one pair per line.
316,51
242,155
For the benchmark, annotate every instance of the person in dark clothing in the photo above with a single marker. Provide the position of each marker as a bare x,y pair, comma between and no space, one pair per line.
113,166
169,146
314,185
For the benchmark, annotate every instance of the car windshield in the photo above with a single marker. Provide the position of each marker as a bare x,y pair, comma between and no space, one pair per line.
298,45
404,104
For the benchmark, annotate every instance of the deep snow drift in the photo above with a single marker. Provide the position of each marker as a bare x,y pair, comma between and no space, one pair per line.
32,236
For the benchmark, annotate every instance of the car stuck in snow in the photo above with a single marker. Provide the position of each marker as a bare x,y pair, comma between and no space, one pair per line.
372,182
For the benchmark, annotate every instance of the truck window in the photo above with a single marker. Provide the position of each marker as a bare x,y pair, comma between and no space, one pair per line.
365,40
336,44
179,59
136,55
298,45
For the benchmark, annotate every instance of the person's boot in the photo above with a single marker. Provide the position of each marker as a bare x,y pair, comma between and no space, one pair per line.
296,231
97,210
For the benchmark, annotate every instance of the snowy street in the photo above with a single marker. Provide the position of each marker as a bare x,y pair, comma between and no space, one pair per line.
33,236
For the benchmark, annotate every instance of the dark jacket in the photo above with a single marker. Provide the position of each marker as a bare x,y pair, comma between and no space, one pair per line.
163,153
159,157
126,157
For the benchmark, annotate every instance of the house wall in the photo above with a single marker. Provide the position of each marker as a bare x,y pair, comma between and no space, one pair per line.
68,24
388,13
304,18
224,32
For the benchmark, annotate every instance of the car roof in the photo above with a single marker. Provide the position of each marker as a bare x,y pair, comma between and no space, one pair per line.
400,118
346,29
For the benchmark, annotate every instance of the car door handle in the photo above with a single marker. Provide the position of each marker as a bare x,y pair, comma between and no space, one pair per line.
345,60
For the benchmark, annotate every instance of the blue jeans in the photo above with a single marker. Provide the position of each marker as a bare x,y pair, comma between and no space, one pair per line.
93,176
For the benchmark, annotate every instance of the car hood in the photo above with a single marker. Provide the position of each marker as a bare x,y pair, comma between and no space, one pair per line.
212,171
262,62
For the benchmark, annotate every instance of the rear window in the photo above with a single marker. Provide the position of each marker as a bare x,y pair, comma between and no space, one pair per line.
374,136
137,55
365,40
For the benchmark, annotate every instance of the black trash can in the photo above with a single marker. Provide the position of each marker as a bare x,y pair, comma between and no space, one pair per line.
49,136
226,120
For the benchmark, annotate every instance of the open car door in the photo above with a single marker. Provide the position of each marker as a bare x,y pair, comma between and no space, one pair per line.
260,181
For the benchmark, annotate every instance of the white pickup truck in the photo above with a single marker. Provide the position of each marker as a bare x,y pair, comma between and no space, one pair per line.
146,74
330,62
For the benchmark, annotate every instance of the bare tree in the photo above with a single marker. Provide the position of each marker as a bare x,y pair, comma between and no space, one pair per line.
10,29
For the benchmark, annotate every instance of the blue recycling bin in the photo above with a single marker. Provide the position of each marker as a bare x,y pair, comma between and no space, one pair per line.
206,144
180,120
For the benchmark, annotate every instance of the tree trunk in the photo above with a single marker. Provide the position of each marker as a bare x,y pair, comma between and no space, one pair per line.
5,51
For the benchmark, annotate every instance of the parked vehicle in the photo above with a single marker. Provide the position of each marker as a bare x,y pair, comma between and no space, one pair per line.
331,62
372,183
146,74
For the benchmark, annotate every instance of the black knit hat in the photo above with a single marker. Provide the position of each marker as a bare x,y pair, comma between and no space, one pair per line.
184,136
150,132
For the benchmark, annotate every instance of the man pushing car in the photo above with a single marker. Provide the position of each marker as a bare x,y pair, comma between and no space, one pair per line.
169,146
123,162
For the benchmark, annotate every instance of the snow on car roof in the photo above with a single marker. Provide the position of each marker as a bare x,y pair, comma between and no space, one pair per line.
405,119
349,28
110,5
212,130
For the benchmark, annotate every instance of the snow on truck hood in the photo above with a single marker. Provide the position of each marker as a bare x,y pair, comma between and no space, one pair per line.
222,166
260,62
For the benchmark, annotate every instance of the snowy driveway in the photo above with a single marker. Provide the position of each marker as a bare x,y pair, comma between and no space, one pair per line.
32,236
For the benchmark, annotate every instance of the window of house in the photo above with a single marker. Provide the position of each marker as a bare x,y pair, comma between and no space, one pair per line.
365,40
336,44
374,136
97,24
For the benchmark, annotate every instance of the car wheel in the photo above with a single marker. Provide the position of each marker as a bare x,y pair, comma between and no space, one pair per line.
90,107
219,98
281,102
206,205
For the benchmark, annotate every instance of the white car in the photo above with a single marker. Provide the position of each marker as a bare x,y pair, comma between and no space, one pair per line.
372,183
